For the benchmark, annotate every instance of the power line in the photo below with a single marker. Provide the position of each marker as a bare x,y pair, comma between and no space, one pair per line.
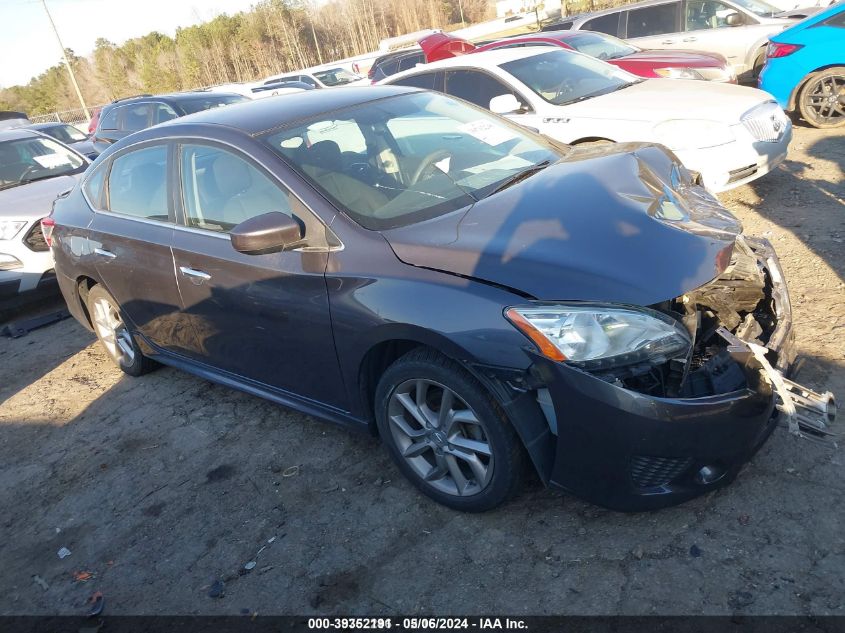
67,61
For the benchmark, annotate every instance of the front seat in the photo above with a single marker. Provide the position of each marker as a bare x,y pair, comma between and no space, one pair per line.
243,194
323,161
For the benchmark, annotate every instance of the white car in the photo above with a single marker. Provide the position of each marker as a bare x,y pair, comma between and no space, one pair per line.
738,29
34,170
321,78
729,134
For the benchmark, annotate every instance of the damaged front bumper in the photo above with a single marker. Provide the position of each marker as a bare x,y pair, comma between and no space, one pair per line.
629,448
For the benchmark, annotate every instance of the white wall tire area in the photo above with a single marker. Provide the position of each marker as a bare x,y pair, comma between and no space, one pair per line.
446,433
115,337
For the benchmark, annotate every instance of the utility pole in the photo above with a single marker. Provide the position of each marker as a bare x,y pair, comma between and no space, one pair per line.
314,35
461,9
67,62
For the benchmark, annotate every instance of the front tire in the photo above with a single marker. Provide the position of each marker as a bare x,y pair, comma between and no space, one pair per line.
108,324
446,433
822,98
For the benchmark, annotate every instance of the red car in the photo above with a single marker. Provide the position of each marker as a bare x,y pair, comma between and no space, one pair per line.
673,64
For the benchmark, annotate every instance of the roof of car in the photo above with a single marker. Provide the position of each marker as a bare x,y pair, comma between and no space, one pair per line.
45,126
255,117
173,96
17,133
624,7
481,59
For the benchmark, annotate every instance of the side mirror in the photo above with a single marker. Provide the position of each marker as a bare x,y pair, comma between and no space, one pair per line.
734,19
505,104
266,233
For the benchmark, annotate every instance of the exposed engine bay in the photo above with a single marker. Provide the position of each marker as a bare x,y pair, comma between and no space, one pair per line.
739,324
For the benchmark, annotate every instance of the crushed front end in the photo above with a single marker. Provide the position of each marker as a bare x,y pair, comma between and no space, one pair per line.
649,435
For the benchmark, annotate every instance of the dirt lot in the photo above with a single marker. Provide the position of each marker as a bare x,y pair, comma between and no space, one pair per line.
162,485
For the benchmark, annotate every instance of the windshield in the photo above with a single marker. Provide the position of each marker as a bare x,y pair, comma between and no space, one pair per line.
27,159
409,158
208,102
561,77
65,133
336,77
599,45
758,7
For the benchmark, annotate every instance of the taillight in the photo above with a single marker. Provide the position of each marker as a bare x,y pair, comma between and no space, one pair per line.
47,226
776,49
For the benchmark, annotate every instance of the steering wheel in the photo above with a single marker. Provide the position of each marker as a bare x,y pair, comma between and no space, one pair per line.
563,88
29,169
427,162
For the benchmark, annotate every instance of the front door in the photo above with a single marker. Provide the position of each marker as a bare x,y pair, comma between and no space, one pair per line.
131,242
706,29
261,317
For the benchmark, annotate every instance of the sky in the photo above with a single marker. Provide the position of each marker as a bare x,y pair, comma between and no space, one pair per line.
28,45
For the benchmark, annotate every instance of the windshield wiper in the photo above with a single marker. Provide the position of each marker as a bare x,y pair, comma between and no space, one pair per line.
522,175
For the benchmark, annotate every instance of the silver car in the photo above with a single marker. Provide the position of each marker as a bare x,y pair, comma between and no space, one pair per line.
738,29
34,170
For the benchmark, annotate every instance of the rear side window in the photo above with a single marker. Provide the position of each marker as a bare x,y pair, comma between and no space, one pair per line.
428,81
131,118
656,20
411,61
603,24
836,20
138,184
109,122
476,87
163,112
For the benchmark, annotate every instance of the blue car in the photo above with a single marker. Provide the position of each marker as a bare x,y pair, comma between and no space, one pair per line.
805,68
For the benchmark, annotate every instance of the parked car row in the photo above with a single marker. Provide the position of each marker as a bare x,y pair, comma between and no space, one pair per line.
506,258
481,297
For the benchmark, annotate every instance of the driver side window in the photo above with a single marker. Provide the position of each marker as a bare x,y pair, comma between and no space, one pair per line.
706,14
220,189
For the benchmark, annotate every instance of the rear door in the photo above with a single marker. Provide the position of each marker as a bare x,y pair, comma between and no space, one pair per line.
655,26
260,317
131,237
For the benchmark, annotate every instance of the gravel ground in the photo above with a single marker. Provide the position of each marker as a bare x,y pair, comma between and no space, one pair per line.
163,485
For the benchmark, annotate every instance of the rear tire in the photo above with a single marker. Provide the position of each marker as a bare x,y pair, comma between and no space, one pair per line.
120,345
821,101
447,434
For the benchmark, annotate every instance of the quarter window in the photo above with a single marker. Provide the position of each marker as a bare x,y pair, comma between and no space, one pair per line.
138,184
608,24
656,20
476,87
706,14
220,190
94,187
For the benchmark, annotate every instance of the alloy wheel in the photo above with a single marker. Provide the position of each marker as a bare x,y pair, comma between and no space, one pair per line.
826,99
113,332
440,437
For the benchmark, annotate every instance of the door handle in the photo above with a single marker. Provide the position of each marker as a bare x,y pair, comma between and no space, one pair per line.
668,42
104,253
690,39
198,275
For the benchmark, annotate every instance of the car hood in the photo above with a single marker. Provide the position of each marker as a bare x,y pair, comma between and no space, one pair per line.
620,225
34,200
675,59
656,100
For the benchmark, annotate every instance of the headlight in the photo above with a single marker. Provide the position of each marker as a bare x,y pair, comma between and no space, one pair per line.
680,134
601,337
9,228
678,73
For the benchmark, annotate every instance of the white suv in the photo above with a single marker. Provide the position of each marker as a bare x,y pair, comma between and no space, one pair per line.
738,29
